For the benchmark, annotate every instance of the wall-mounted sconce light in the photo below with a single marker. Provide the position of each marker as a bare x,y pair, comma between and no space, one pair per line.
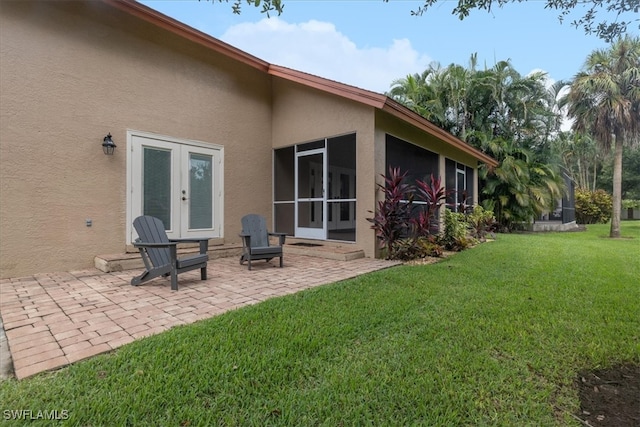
108,146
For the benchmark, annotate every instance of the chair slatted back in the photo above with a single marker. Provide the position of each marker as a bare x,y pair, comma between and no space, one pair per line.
151,230
256,227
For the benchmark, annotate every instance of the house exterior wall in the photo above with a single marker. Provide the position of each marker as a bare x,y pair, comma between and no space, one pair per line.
389,125
302,114
71,72
386,124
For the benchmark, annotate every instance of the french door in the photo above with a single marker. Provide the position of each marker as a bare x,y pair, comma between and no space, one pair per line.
178,182
310,194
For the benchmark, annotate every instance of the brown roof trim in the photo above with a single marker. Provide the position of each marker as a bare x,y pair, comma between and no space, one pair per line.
372,99
353,93
163,21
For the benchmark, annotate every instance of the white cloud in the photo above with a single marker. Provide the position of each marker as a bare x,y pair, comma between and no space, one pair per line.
319,48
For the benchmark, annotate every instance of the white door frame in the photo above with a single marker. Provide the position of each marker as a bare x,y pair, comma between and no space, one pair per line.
308,232
180,149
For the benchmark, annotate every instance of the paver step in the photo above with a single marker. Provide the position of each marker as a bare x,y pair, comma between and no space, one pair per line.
328,250
132,260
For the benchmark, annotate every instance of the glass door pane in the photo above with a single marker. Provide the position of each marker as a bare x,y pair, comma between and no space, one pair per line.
200,191
310,221
310,215
156,184
460,189
310,176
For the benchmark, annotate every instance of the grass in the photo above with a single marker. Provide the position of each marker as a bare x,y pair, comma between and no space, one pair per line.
491,336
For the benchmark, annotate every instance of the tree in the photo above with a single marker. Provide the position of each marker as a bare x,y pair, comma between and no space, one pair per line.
607,31
418,92
630,174
589,21
268,6
520,188
604,101
580,157
508,116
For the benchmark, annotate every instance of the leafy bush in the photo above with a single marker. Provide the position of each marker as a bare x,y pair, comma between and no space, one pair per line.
455,236
406,230
593,207
481,222
394,219
630,204
416,247
391,218
434,195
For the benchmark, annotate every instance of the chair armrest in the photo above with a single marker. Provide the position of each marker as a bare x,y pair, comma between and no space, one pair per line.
246,239
190,240
154,245
204,243
281,236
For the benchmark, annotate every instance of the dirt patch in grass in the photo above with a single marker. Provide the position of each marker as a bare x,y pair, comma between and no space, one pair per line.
610,397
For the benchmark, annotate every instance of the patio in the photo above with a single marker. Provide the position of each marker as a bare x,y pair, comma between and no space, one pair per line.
52,320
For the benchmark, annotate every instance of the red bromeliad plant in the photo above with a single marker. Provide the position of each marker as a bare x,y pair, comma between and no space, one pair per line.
434,194
394,219
391,218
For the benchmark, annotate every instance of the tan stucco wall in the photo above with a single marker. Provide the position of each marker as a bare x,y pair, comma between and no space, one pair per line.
72,72
302,114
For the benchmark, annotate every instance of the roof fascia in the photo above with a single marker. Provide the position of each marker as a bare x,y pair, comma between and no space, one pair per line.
158,19
353,93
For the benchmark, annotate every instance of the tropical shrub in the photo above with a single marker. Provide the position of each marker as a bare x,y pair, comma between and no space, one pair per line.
417,247
630,204
426,223
481,222
408,230
391,219
593,207
455,236
401,232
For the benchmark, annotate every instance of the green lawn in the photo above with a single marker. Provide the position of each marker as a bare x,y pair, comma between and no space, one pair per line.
494,335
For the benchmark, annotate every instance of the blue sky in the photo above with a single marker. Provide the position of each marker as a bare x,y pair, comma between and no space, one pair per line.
369,43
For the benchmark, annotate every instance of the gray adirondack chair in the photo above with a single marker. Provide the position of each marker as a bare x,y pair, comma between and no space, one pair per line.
160,254
255,240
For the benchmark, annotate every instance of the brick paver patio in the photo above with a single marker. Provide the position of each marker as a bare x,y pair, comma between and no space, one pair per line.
52,320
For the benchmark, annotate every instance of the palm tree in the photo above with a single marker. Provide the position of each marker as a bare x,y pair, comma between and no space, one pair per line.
503,113
420,92
604,101
580,157
520,188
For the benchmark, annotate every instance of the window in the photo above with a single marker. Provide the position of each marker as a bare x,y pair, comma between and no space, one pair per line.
417,162
459,185
284,181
